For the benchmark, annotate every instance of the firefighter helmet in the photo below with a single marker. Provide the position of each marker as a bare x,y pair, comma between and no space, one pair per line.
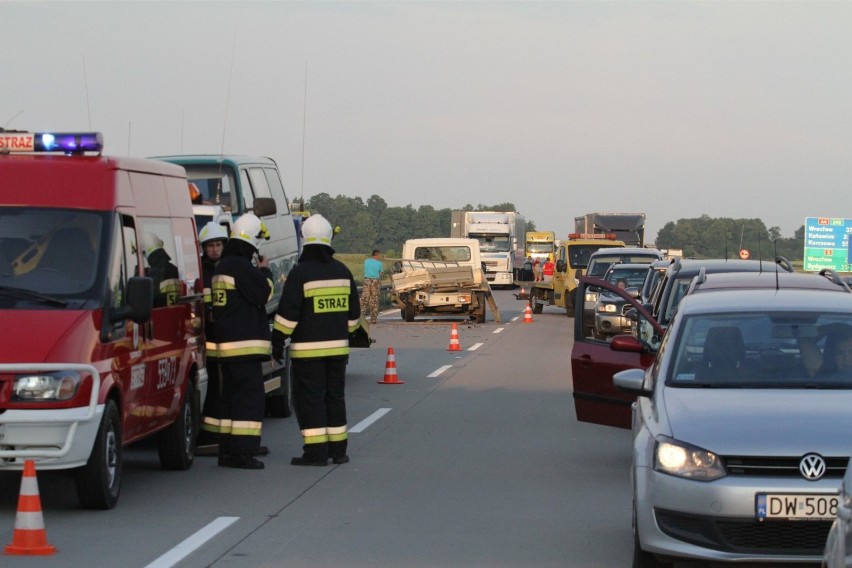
152,242
316,230
213,231
250,228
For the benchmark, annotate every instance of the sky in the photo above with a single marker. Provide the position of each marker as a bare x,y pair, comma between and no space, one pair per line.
674,109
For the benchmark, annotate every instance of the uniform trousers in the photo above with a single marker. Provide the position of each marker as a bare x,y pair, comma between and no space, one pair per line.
243,405
211,415
320,404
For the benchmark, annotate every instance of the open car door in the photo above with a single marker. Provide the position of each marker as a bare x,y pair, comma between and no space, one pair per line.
595,361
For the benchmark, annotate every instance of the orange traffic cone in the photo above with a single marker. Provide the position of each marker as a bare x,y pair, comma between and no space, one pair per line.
528,314
390,370
29,537
454,340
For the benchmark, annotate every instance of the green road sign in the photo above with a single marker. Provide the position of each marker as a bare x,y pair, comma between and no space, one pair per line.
827,243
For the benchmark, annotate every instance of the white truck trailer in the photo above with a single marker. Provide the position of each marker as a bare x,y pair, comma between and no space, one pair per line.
501,236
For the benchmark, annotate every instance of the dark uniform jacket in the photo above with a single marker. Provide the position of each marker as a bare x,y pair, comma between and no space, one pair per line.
240,291
319,306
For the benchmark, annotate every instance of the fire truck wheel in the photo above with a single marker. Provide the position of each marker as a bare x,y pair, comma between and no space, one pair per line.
99,481
537,308
176,444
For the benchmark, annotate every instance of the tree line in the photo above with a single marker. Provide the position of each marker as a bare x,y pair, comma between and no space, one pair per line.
373,224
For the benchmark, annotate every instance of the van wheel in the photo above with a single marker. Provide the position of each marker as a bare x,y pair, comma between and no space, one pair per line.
279,403
408,313
176,444
99,481
537,308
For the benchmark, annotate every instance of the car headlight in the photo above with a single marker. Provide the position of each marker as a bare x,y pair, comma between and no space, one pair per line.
41,387
607,308
684,460
591,297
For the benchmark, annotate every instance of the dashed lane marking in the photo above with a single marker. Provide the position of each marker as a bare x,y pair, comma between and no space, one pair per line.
192,543
365,423
498,330
475,346
438,371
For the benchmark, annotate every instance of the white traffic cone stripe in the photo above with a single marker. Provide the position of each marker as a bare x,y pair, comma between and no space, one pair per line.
29,486
29,521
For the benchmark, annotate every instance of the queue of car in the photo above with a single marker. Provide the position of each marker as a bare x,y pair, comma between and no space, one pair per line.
729,378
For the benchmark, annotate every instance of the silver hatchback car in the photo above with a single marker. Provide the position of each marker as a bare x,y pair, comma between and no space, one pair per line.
741,429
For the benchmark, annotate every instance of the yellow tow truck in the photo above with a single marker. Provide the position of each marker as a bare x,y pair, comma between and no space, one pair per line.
572,258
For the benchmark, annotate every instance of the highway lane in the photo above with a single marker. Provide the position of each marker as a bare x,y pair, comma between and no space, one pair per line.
480,465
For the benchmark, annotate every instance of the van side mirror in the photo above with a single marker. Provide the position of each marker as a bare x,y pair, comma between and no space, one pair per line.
140,301
264,206
561,266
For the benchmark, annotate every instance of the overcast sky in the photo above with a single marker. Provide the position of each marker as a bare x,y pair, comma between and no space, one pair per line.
676,109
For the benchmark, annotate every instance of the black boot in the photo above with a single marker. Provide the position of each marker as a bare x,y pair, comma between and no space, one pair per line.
340,460
241,462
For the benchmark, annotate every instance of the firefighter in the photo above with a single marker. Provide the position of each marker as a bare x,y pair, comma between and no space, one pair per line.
213,237
240,291
319,308
162,271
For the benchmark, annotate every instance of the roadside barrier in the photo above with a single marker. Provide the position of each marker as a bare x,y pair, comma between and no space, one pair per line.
390,370
29,537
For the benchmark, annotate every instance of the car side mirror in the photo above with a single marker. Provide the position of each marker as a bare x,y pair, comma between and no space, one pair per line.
140,301
264,206
626,343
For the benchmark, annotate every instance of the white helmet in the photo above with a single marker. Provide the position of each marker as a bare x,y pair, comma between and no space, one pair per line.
317,231
250,228
152,242
212,231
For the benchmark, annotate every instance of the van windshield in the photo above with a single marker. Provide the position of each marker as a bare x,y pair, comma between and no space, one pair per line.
52,252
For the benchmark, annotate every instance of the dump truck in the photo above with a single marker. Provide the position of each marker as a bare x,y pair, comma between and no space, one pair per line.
501,241
441,276
627,227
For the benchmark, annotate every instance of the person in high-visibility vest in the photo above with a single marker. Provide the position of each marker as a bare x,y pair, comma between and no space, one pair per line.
319,307
240,291
213,238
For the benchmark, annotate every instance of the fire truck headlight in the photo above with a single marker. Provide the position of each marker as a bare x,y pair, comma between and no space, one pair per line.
58,385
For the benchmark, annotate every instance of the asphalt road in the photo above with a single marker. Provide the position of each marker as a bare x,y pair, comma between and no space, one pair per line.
475,460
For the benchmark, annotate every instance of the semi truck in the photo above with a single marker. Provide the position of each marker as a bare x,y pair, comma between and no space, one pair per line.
572,258
501,236
540,244
441,276
627,227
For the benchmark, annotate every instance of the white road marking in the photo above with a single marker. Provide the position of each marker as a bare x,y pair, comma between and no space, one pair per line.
498,330
515,318
192,543
438,371
365,423
475,346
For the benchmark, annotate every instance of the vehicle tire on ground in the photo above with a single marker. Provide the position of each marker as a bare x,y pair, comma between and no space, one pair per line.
537,308
176,444
479,314
642,559
99,481
279,402
408,313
